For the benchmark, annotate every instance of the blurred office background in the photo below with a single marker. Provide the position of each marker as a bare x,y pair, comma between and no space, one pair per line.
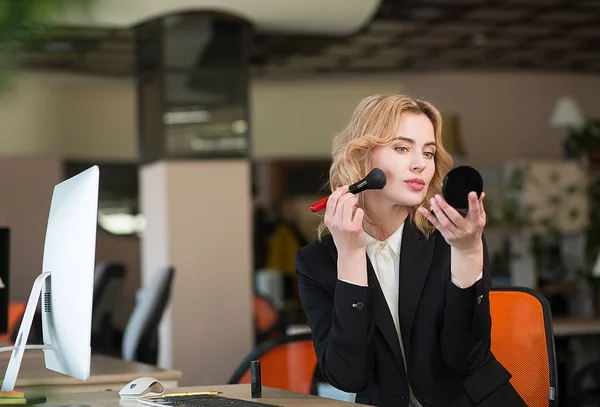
212,125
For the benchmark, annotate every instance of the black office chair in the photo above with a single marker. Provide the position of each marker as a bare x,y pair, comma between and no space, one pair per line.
586,387
140,339
108,285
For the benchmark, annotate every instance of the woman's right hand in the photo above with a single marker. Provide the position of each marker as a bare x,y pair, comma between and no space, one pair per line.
344,224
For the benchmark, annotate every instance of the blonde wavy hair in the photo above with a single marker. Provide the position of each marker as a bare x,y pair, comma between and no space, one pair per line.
375,123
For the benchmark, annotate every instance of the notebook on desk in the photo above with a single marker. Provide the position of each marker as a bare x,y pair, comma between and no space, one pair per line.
22,401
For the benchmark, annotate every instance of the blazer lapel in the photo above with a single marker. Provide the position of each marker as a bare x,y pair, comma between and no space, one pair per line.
383,316
381,311
416,254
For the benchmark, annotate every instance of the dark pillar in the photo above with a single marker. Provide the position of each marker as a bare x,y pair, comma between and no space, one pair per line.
192,79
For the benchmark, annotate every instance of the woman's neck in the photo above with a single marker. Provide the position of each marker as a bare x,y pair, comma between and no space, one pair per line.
388,219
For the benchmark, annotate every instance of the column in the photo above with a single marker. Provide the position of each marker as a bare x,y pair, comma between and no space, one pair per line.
192,79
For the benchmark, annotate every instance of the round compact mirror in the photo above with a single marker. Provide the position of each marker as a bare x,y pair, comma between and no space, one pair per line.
458,183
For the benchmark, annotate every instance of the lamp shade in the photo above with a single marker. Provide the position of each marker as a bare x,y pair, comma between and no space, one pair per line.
567,114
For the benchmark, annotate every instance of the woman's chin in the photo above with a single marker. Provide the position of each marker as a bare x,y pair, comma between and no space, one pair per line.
410,201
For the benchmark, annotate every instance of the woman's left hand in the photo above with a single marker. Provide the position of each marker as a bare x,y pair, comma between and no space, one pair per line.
462,233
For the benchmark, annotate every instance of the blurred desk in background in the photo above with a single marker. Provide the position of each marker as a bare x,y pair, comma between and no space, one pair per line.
572,326
577,345
107,373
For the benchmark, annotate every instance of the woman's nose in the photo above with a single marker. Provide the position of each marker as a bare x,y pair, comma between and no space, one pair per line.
418,164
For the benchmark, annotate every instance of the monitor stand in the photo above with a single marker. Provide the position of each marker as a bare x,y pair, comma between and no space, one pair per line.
12,371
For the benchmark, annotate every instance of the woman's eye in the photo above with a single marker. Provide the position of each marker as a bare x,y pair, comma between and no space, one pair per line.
401,149
429,154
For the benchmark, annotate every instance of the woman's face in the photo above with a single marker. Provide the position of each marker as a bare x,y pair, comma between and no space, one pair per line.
408,162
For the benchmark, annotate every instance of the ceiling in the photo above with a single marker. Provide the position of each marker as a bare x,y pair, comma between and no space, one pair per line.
404,35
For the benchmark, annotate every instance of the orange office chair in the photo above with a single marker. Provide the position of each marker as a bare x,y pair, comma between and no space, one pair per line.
267,319
287,362
16,309
523,341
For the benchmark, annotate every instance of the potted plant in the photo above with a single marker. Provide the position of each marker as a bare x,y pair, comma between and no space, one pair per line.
584,142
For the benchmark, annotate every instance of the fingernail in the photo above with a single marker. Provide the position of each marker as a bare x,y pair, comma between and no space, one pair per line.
438,197
432,202
472,195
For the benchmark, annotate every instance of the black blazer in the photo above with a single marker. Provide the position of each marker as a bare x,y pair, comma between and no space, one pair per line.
445,329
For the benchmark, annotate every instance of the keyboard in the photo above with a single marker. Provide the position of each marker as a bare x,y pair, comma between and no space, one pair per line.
206,400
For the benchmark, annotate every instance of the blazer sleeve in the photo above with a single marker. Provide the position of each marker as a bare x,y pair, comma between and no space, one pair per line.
466,329
341,324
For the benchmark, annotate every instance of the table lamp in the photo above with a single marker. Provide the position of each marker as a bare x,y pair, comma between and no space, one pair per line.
567,115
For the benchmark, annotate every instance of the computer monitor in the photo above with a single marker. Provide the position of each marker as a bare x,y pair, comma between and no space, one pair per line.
4,278
66,282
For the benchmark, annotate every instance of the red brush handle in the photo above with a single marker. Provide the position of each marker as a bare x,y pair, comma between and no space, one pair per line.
317,206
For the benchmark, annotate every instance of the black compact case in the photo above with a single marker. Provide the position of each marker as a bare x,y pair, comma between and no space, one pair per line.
458,183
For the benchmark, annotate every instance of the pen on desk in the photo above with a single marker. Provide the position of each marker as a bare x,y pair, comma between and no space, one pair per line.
192,393
179,394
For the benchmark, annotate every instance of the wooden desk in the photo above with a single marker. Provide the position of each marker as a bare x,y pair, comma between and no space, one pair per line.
240,391
106,373
569,326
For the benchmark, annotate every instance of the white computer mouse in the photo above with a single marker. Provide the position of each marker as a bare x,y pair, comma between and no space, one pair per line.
142,386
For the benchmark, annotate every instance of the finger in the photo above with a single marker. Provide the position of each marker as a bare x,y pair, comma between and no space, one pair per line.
444,221
358,219
339,216
349,205
429,216
331,206
474,207
452,214
434,221
481,206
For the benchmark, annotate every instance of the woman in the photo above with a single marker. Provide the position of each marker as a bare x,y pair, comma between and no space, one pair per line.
396,295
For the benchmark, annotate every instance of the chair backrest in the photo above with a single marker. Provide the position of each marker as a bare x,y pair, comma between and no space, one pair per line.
140,338
16,309
287,362
108,284
523,341
267,319
265,313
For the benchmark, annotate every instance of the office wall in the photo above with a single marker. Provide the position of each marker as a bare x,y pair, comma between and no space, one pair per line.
298,118
55,115
503,115
26,186
30,117
100,118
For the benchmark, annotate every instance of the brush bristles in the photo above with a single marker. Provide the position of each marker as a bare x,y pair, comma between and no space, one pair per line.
376,179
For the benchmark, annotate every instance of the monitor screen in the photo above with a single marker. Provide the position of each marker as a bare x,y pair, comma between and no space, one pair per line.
4,278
